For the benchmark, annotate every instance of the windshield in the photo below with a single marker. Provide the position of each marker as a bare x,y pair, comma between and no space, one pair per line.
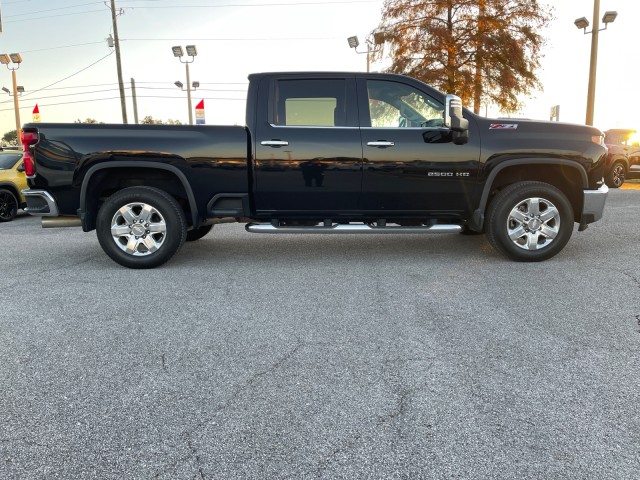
8,160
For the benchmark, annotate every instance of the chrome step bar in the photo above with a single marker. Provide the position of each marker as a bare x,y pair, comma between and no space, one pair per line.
63,221
350,228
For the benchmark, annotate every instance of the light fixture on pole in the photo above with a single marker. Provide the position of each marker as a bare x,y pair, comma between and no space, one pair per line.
582,23
378,39
179,53
20,90
15,59
354,43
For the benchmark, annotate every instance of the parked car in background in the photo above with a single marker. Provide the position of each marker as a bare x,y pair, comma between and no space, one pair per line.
12,181
623,157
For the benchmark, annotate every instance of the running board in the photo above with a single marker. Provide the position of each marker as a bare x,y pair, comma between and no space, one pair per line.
349,228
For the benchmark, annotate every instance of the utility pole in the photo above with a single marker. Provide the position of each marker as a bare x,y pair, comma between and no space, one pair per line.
116,40
135,101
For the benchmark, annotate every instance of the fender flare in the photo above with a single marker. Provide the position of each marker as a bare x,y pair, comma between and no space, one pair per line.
477,219
152,165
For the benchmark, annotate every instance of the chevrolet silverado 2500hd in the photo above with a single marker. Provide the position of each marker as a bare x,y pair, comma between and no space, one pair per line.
321,153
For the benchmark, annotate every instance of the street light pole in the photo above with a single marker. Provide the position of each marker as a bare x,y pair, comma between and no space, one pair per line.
582,23
591,92
179,53
378,39
16,59
354,43
16,106
189,93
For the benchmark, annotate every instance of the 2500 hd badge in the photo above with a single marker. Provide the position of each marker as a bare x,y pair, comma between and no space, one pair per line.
448,174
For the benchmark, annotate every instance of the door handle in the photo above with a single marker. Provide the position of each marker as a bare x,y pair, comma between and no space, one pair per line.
381,144
274,143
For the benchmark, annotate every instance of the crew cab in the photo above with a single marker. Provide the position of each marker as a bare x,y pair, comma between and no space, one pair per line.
321,152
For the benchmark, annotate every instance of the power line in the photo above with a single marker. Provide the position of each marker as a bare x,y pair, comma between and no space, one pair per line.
228,39
81,86
68,77
51,10
61,47
128,88
66,95
193,89
228,5
284,4
27,107
52,16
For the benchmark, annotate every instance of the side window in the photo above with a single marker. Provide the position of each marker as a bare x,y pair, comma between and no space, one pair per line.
313,103
394,104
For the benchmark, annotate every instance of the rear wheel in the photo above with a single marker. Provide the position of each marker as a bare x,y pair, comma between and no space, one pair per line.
8,205
529,221
615,176
141,227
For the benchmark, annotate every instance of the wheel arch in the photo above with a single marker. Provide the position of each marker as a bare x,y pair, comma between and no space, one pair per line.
116,175
566,175
619,158
14,190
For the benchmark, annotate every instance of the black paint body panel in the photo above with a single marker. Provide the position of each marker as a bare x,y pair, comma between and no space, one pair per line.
322,172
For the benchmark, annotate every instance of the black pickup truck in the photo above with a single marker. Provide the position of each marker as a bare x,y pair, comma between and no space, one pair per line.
321,153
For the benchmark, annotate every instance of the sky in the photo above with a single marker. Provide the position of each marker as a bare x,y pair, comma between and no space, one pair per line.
69,70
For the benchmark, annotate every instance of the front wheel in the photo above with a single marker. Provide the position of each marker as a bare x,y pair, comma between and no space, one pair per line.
529,221
8,205
141,227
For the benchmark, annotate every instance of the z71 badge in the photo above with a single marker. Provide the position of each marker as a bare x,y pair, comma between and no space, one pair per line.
503,126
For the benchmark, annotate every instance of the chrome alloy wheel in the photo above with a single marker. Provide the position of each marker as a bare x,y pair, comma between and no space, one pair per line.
138,229
533,223
617,175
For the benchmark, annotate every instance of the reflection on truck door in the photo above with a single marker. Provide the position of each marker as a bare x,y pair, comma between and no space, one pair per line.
308,154
410,163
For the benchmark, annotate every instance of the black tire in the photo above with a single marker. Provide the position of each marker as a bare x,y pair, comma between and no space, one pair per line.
141,227
529,221
8,205
614,178
198,233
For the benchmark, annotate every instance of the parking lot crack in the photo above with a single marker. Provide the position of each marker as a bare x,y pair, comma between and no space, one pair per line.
195,455
188,434
398,410
163,359
277,365
632,277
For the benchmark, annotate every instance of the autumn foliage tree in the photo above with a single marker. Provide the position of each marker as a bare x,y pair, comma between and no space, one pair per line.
482,50
149,120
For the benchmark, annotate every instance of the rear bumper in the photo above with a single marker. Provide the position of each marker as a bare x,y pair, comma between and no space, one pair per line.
40,203
593,208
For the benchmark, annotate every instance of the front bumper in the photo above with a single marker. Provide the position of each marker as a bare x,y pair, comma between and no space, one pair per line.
593,205
40,203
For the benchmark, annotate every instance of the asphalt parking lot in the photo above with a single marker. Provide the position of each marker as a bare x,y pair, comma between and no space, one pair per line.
333,357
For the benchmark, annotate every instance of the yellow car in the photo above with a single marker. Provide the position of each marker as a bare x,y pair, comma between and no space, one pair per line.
12,182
